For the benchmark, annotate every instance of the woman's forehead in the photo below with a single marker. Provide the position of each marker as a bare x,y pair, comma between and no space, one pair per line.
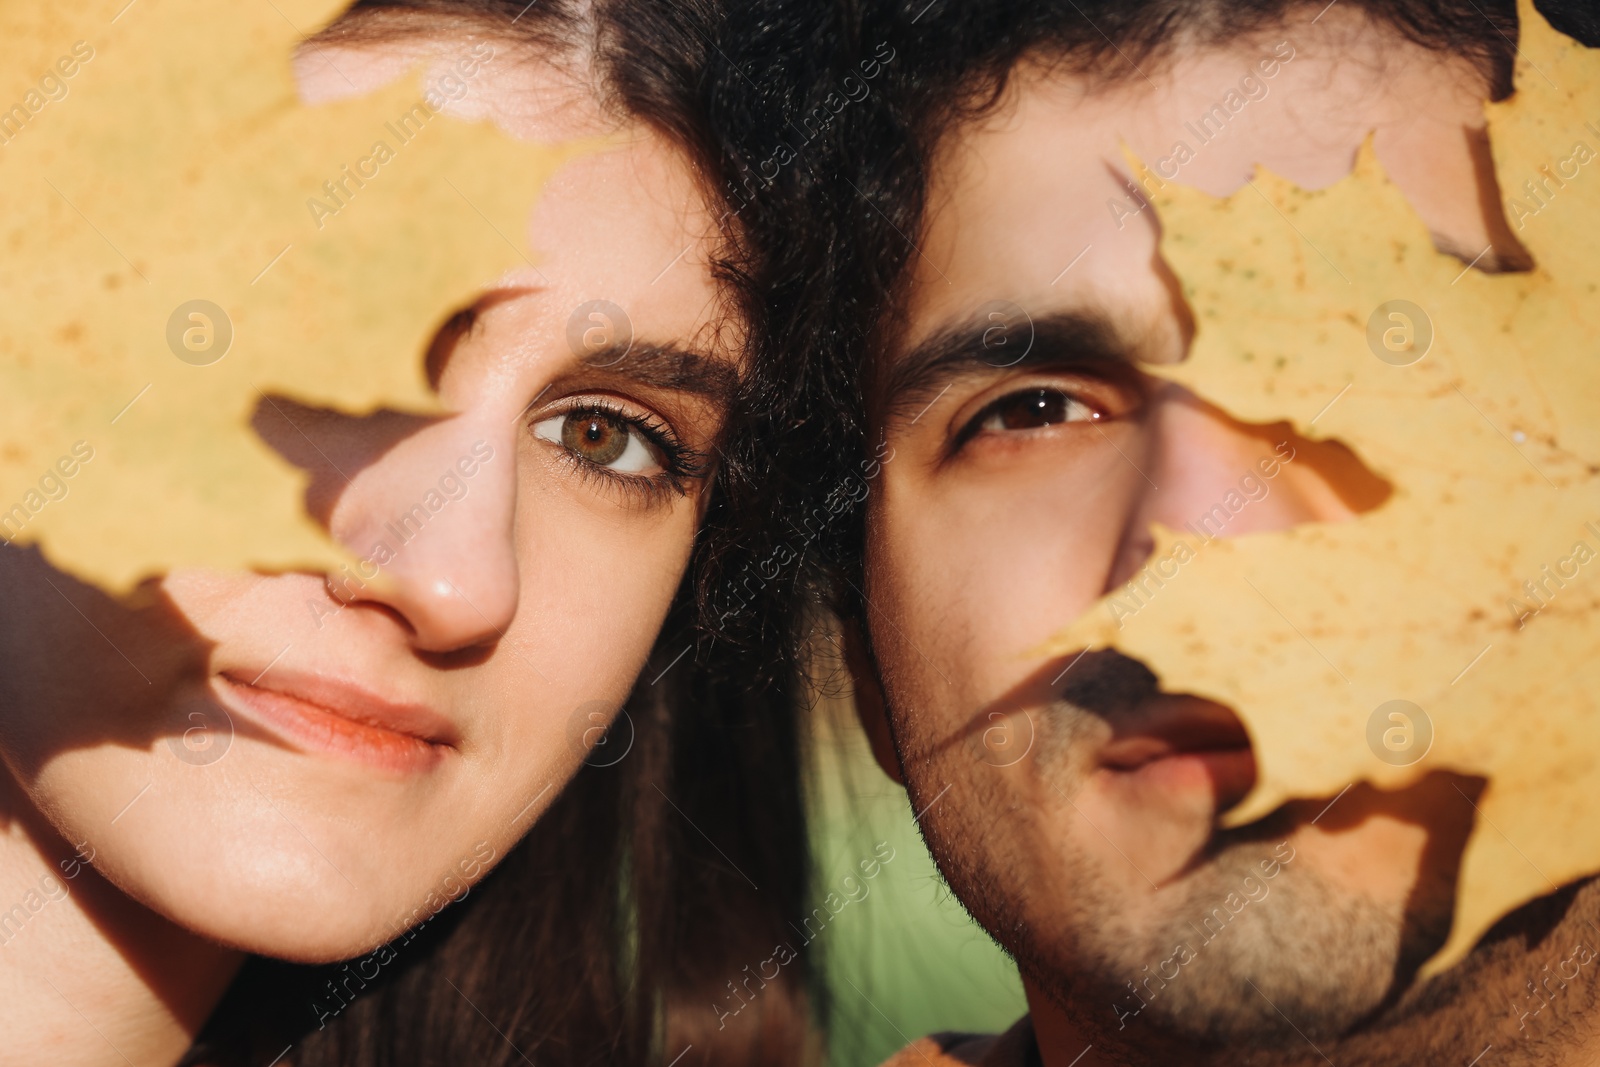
623,220
631,217
534,90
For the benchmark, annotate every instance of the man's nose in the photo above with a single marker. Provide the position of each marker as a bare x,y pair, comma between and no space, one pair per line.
426,505
1213,476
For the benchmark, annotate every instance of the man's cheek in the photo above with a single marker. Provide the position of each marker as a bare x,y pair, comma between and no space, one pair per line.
926,723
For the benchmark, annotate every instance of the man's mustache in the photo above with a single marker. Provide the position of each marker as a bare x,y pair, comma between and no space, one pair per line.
1101,686
1108,684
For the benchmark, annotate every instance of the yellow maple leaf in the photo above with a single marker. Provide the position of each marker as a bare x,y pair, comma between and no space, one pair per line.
1471,593
167,266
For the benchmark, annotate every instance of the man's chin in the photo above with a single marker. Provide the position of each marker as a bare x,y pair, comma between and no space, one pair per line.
1255,949
1158,816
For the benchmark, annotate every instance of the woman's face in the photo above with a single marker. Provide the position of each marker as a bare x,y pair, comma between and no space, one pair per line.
302,765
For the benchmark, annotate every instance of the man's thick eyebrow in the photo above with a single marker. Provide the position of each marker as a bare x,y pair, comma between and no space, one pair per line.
914,380
669,366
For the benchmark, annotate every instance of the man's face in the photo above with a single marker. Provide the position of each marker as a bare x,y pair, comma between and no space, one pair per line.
1073,805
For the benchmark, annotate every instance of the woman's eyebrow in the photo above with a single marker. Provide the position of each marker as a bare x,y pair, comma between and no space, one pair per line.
459,325
669,366
914,380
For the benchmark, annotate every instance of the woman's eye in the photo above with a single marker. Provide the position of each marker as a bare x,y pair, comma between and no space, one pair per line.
602,439
1032,409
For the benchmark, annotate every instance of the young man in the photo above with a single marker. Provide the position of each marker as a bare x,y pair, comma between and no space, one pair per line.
1073,806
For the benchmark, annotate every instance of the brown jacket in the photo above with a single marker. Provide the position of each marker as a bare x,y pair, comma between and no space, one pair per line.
1014,1048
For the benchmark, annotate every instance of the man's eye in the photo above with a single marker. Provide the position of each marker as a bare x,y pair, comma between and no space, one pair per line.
1032,409
602,439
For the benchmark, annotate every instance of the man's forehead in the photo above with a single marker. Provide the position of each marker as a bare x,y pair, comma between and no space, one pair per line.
1034,202
1019,227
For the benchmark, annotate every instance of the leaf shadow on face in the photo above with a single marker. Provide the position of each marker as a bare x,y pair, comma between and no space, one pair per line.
330,446
81,668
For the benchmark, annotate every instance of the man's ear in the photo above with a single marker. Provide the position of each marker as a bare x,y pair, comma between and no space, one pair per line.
871,708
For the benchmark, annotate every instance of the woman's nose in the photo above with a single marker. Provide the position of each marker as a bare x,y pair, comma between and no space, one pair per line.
440,505
427,506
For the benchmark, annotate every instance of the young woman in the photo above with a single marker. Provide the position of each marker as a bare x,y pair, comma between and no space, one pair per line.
391,742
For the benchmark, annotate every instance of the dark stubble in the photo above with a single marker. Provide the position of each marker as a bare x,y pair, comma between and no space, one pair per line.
1305,960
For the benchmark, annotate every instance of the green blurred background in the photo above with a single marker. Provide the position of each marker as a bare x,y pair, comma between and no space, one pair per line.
905,960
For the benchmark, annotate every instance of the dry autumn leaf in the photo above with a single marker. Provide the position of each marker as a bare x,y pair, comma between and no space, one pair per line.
159,155
1472,591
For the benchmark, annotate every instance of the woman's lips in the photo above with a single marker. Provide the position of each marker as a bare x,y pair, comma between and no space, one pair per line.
337,717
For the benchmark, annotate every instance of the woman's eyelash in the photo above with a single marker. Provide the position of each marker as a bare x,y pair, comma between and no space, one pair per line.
680,464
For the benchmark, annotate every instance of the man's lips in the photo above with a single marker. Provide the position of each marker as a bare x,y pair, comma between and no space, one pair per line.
339,717
1169,725
1175,739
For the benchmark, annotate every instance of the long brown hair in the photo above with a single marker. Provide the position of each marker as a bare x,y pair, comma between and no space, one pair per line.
638,920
